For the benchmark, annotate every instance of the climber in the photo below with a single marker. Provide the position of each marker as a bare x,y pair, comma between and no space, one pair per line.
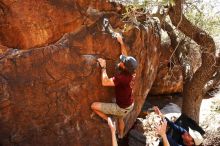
123,82
183,137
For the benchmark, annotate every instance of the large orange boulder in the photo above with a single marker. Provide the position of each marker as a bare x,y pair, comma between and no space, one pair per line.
27,24
46,92
169,78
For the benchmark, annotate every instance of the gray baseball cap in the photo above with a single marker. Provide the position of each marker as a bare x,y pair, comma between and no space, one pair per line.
130,63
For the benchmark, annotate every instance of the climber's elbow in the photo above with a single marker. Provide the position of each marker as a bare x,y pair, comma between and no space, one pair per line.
107,82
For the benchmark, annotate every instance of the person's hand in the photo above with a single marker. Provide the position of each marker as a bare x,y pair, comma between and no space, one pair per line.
161,130
102,62
111,125
157,110
119,38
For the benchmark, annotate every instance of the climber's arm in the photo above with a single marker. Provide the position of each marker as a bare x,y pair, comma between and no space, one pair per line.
123,46
106,81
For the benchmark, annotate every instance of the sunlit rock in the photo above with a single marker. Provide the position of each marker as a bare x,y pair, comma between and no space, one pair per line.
46,91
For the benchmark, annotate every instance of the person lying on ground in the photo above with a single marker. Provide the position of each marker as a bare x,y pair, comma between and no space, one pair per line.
183,137
123,81
113,131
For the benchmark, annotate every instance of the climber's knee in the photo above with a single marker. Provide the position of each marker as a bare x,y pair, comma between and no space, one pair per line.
95,106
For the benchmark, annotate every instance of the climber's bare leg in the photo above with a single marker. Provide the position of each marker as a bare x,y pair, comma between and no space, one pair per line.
121,127
96,106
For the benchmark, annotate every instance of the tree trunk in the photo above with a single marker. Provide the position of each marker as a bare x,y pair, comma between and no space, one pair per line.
193,87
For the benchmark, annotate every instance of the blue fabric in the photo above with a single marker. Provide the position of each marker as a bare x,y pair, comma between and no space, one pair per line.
175,140
172,142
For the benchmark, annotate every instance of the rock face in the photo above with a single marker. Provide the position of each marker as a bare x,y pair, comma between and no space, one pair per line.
169,77
144,131
30,24
46,92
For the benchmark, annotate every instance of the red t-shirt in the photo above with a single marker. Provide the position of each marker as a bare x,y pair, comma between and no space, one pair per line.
123,89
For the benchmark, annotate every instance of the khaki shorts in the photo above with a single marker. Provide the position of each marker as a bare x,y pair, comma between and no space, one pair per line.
114,109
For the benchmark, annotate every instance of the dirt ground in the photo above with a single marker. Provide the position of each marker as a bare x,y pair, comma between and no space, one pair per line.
209,114
210,120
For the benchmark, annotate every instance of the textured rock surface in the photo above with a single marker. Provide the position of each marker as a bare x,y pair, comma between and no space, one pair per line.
144,131
169,77
46,92
29,23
